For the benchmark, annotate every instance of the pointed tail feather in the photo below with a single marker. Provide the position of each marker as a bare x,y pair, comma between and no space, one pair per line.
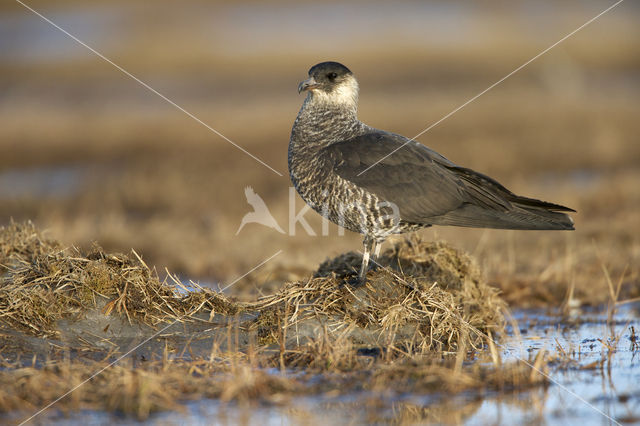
529,203
516,218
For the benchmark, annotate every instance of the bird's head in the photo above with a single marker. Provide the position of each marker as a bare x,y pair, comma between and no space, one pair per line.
332,83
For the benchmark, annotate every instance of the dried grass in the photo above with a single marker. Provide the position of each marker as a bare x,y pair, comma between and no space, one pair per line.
137,391
442,300
43,283
423,297
146,388
393,334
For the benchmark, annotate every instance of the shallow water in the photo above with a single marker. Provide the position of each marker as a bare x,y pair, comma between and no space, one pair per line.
246,28
44,182
589,386
26,38
599,388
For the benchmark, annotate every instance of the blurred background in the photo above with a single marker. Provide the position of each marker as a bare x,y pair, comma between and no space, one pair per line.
89,154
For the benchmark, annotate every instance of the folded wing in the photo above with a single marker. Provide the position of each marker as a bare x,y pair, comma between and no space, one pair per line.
429,189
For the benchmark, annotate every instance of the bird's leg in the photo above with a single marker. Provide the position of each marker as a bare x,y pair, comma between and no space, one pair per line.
369,242
377,245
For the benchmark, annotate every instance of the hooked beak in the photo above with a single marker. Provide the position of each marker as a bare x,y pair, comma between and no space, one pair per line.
308,84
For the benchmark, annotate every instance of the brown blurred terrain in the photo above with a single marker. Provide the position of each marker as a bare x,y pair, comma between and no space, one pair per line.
91,155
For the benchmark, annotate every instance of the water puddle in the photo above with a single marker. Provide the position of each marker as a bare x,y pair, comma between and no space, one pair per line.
25,38
44,182
595,380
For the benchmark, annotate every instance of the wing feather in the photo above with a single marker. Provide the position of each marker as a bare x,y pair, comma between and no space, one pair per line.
430,189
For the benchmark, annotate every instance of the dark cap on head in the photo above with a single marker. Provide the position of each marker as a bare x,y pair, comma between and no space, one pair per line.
325,76
329,67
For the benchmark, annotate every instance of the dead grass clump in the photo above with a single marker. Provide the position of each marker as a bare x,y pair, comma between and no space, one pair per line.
341,266
453,271
424,296
136,391
392,309
117,389
419,377
43,283
142,388
22,240
441,305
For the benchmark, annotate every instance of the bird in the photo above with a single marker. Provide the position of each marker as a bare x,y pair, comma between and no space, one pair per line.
260,213
379,183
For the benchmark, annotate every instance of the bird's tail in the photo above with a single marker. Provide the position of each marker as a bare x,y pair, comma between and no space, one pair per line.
527,215
492,205
542,213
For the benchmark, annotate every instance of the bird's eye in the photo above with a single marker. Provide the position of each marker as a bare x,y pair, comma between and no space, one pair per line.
332,76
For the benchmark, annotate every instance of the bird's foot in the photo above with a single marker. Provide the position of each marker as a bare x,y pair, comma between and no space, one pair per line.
355,281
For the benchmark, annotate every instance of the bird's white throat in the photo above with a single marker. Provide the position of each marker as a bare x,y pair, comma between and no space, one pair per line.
344,94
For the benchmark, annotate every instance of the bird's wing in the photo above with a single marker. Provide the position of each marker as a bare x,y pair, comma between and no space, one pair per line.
427,187
414,177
